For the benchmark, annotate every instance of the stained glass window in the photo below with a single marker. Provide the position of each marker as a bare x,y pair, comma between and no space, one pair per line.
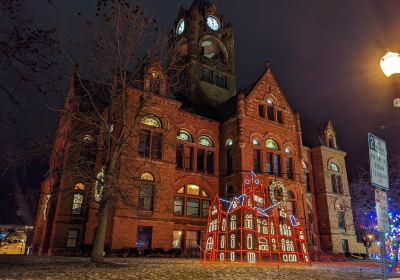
271,144
193,206
147,177
184,136
151,120
205,141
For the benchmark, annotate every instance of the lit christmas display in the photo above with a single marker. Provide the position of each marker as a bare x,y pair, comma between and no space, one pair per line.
249,229
392,238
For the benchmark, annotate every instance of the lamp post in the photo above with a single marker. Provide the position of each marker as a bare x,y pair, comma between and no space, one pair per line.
390,65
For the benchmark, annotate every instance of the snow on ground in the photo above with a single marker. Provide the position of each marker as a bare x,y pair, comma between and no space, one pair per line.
33,267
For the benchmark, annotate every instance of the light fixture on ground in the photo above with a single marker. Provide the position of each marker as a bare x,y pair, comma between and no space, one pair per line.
390,65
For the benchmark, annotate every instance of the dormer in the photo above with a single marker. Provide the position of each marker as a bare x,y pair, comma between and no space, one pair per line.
154,79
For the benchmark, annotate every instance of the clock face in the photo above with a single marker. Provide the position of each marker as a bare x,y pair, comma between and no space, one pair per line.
213,23
181,27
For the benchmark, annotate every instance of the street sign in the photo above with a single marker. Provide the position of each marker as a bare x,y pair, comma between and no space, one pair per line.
382,210
378,162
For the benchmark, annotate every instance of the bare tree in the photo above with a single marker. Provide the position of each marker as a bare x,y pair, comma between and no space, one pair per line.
25,53
104,111
362,191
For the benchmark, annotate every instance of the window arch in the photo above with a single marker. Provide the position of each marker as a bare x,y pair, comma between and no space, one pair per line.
205,141
334,167
210,243
150,141
146,192
255,141
288,150
80,186
271,144
146,176
192,200
151,120
229,142
205,155
184,135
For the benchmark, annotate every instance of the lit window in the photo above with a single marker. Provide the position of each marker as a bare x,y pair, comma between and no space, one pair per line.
205,141
269,101
184,136
77,204
177,239
194,206
255,141
263,244
271,144
151,120
192,190
334,167
80,186
288,150
229,142
147,177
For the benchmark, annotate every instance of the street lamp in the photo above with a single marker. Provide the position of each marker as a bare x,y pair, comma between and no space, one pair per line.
390,65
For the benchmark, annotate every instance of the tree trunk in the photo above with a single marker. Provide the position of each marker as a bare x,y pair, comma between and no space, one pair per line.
98,246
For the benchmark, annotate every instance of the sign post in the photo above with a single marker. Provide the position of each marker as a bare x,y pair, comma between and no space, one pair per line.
380,179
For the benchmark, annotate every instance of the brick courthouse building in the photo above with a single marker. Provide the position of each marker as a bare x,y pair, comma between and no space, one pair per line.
219,135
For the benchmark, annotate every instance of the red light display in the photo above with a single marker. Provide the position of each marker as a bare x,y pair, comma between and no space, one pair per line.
247,229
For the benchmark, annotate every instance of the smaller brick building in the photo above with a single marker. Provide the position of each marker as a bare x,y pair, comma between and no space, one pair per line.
193,143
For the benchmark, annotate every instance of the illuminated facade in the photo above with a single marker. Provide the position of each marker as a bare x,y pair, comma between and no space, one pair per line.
195,142
248,229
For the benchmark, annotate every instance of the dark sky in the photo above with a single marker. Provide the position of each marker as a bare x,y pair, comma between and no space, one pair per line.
325,55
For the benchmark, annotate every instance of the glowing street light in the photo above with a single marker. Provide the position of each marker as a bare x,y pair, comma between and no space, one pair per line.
390,64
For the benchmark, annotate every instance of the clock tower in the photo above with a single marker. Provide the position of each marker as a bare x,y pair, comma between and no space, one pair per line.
205,47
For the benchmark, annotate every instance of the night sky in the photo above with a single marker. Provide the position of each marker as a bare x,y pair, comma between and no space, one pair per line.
325,55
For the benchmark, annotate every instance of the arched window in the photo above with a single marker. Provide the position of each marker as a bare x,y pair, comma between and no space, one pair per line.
336,179
288,162
184,150
151,120
333,167
192,200
80,187
255,141
183,135
248,222
205,155
273,158
222,242
341,217
229,142
150,141
205,141
291,204
271,144
146,176
146,192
